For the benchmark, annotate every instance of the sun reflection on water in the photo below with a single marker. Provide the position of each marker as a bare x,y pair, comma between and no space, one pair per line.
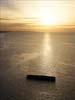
46,59
47,49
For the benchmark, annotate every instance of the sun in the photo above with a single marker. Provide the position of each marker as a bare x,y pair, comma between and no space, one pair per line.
46,13
48,18
46,21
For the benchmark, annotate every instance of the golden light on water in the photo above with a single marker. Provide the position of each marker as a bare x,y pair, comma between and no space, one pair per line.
47,49
47,55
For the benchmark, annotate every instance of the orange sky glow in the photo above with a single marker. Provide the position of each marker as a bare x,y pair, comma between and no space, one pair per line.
36,14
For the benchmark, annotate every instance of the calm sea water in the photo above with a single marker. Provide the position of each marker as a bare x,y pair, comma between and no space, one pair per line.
23,53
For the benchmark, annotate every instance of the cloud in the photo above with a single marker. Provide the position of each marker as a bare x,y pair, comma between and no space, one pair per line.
13,26
4,19
5,3
9,4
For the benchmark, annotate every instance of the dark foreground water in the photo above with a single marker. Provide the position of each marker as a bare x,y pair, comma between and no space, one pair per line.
37,53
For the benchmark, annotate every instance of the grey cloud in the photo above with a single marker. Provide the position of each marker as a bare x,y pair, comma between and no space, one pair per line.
10,4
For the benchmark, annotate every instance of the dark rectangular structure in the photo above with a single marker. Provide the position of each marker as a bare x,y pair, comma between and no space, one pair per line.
41,78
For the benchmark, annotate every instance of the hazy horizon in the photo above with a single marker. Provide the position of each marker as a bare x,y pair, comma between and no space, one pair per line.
23,15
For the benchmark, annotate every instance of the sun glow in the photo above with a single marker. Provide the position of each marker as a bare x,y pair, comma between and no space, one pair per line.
46,21
45,17
36,15
51,15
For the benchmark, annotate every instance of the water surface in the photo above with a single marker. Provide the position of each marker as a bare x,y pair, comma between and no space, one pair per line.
23,53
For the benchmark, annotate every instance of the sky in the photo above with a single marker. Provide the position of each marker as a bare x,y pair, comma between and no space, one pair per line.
35,14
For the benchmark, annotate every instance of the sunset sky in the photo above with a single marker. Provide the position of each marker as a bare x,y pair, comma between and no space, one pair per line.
35,14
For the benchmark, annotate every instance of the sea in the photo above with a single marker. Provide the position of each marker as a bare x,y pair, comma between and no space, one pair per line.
37,53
